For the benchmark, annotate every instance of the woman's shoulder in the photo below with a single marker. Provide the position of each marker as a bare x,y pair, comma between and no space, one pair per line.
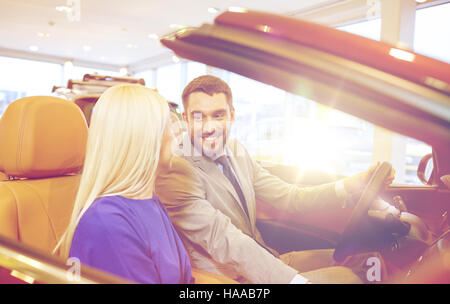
109,205
106,211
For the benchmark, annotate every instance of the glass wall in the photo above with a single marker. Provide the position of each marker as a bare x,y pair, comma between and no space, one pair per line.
20,78
369,28
148,77
171,79
432,32
283,128
280,127
168,82
194,69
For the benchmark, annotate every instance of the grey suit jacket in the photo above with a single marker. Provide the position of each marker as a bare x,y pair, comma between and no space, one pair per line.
217,233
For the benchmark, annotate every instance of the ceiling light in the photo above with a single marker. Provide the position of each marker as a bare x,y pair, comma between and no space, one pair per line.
213,10
421,1
64,8
153,36
123,71
175,59
43,35
401,54
132,46
68,66
72,10
33,48
87,48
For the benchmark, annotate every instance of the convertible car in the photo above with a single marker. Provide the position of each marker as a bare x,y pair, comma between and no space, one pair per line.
386,85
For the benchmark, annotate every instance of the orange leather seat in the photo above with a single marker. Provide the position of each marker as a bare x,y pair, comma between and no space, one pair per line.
43,145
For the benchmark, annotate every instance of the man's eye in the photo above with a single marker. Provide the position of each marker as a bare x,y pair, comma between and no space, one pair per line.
219,116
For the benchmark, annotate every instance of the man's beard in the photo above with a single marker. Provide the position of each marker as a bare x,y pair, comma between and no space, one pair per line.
208,147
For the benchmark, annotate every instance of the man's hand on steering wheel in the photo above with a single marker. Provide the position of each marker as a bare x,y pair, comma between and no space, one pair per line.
369,184
356,183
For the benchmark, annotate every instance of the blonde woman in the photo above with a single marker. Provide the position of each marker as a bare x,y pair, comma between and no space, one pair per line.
118,224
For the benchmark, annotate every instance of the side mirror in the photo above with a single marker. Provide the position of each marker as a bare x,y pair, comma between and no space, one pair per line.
425,169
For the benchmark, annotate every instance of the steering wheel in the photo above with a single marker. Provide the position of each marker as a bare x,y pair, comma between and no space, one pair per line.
359,213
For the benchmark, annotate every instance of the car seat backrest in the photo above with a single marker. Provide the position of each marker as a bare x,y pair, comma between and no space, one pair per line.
43,145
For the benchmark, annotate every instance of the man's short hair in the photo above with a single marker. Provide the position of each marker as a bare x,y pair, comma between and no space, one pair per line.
209,85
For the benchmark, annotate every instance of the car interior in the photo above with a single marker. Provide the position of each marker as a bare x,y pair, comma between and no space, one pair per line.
35,205
410,231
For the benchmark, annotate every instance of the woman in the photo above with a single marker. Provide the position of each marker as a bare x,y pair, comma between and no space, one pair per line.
118,225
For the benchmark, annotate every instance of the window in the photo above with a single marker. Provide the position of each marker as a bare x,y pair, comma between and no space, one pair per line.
415,150
284,128
168,82
194,70
260,113
20,78
171,79
369,28
432,32
148,78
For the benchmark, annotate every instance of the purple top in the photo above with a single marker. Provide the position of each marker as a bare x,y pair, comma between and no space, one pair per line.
133,239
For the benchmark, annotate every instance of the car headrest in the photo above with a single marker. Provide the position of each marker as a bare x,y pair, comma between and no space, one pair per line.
42,136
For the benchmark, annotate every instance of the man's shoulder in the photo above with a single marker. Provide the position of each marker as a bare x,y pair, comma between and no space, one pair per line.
237,148
178,182
179,173
180,165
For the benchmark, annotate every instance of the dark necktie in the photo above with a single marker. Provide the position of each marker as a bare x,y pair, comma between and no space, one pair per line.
228,172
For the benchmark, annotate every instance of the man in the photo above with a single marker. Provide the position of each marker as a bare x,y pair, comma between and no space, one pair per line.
210,194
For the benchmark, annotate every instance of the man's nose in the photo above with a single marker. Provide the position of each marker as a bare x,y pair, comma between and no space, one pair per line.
209,125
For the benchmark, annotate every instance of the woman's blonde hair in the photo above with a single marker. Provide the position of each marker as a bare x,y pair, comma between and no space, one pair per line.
122,152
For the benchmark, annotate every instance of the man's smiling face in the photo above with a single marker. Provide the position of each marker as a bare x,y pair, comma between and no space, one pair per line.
209,119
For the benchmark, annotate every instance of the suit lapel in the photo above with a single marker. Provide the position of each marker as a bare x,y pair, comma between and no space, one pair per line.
211,169
245,186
